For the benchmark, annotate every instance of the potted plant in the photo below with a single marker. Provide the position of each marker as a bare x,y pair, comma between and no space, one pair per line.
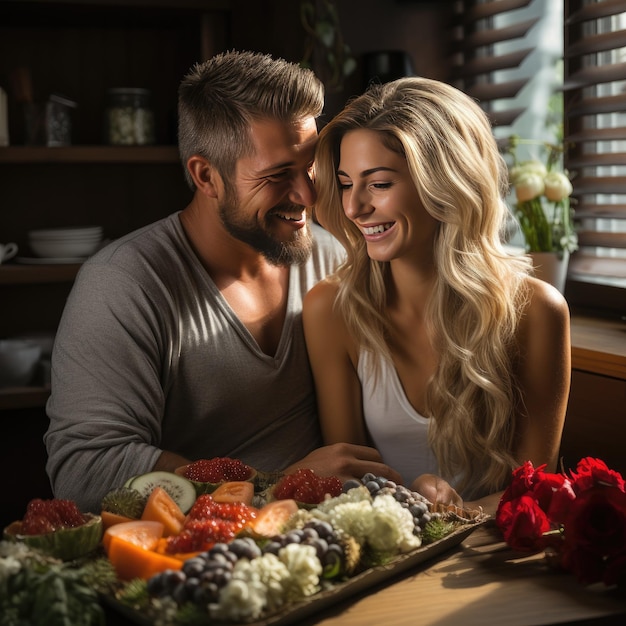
543,208
325,49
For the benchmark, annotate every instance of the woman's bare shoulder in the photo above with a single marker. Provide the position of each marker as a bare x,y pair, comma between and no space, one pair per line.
321,297
546,303
546,320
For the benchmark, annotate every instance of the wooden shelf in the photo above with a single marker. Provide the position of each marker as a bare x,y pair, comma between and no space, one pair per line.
29,155
37,274
23,397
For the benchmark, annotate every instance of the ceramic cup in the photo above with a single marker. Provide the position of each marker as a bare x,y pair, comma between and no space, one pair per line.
18,362
7,251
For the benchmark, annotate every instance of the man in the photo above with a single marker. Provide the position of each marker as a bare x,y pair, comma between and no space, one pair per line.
183,340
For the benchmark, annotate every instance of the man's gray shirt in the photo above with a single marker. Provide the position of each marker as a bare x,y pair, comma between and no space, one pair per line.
149,356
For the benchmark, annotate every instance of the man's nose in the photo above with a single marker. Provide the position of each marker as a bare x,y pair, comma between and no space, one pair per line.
303,191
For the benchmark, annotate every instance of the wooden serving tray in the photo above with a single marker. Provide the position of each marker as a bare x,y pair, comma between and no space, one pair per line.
369,578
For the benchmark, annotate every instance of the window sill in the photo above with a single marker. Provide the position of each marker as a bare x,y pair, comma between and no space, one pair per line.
599,345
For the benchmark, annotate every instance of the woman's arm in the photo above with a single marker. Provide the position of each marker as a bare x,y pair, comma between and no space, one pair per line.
333,362
544,376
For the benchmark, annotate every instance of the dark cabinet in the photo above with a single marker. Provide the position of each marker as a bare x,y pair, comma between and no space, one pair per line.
79,49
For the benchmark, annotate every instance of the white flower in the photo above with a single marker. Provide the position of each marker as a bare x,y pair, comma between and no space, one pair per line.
381,522
240,600
12,556
304,569
528,185
557,186
357,494
266,583
527,167
354,519
393,526
254,585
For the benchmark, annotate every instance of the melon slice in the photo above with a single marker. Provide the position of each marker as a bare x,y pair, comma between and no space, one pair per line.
161,507
234,491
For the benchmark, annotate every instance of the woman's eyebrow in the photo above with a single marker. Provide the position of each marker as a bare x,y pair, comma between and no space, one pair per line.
366,173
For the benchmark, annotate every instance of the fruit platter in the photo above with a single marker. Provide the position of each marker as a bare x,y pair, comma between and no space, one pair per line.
218,542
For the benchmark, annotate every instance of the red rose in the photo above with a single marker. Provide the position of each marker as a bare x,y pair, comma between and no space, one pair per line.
523,480
523,524
580,521
590,472
562,496
596,521
587,566
553,493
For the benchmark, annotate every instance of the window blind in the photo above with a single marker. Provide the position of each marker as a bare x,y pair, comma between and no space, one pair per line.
475,33
595,132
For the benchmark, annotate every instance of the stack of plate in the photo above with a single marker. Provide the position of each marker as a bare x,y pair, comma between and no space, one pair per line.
65,243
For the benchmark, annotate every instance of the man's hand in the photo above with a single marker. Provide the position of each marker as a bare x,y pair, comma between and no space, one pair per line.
346,461
436,489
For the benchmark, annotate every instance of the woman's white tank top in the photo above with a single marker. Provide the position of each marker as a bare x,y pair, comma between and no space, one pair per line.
398,431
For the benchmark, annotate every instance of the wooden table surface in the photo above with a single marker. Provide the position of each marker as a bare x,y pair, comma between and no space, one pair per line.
479,582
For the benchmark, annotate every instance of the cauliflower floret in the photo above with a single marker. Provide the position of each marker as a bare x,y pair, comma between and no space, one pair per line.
266,583
304,569
358,494
381,522
392,526
354,519
255,585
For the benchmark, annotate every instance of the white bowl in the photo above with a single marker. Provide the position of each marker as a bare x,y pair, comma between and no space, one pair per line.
64,247
77,232
18,362
41,338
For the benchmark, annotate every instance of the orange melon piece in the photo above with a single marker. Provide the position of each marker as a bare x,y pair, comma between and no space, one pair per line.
161,507
110,519
131,548
271,518
234,491
133,561
145,534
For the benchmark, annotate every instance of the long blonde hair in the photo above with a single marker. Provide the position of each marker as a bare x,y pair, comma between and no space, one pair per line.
480,292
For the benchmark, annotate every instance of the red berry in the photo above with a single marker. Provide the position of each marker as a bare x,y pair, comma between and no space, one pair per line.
217,470
306,486
44,516
209,522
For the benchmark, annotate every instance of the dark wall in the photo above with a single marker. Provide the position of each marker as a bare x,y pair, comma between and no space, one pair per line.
417,27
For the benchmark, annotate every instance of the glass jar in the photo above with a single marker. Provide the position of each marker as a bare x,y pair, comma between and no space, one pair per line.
129,119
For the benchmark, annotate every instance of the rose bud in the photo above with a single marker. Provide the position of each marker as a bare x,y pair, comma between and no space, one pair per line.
527,167
528,186
557,186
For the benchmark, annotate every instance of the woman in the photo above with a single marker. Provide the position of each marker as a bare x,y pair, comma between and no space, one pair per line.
431,342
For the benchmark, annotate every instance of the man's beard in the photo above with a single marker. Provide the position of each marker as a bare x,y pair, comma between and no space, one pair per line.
282,253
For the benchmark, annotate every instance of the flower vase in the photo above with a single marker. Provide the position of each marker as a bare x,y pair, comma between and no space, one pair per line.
551,267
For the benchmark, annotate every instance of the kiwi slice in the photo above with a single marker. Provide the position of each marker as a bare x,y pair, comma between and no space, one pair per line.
180,489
